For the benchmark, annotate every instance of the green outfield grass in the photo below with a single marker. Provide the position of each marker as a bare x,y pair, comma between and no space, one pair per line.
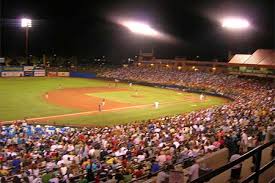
22,97
139,95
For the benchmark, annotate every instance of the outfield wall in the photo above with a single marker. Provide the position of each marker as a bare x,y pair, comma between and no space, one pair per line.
32,71
82,75
21,71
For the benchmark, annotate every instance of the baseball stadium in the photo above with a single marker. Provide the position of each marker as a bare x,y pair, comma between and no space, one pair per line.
151,117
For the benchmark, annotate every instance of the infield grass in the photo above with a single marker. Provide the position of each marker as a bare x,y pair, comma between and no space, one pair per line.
22,97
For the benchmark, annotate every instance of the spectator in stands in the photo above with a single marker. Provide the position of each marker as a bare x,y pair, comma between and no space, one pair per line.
194,171
16,179
235,170
3,180
84,180
155,167
16,165
163,176
244,142
47,176
118,176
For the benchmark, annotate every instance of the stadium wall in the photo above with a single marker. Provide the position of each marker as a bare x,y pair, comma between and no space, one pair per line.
63,74
29,71
82,75
21,71
58,74
12,74
52,74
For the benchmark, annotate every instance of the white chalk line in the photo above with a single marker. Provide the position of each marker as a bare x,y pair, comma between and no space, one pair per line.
96,111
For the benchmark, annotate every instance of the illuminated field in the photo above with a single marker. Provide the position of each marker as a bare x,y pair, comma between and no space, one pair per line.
76,101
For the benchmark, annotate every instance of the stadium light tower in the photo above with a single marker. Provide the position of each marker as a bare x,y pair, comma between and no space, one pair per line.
26,24
235,23
140,28
143,29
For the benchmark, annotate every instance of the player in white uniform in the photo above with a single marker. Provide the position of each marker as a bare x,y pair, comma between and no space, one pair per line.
201,97
103,102
156,105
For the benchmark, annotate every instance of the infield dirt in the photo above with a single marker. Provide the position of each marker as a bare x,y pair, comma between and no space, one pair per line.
76,98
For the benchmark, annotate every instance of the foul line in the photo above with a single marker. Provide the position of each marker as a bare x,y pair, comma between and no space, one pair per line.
83,113
96,111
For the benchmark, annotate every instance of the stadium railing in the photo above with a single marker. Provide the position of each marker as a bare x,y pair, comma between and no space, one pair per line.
258,170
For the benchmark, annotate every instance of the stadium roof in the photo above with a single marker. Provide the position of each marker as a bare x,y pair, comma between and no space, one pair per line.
239,59
260,58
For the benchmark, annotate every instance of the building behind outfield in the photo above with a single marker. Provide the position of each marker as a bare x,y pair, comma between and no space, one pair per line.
261,63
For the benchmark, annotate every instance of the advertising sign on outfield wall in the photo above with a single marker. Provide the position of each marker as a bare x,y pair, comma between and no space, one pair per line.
28,73
63,74
28,68
52,74
82,75
39,73
12,68
12,74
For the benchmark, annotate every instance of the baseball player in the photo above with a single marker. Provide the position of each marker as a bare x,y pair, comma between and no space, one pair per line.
136,92
201,97
116,82
100,107
156,105
47,95
103,102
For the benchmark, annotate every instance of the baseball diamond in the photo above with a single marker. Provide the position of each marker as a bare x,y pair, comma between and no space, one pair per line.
74,101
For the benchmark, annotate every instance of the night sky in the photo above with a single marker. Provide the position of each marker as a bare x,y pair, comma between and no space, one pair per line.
86,28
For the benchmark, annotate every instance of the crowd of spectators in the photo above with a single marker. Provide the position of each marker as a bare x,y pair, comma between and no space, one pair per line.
122,153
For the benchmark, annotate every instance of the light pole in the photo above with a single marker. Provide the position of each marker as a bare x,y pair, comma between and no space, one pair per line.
1,28
26,23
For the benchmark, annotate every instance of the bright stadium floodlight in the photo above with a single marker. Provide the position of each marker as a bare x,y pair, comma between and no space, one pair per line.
140,28
25,22
235,23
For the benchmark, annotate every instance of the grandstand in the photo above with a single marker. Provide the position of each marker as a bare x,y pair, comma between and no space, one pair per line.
261,63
